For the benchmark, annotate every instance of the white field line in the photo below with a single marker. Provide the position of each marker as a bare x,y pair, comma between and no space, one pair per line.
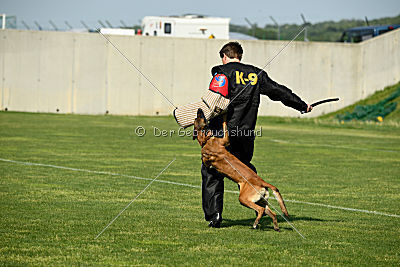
332,146
95,172
192,186
158,175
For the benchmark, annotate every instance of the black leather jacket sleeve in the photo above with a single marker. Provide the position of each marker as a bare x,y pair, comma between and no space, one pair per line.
278,92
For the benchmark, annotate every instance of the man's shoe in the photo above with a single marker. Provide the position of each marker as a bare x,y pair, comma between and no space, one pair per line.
213,224
216,221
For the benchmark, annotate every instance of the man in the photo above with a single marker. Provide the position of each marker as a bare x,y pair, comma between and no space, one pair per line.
242,84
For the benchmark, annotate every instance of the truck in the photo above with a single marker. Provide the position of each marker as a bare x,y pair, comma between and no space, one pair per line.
359,34
187,26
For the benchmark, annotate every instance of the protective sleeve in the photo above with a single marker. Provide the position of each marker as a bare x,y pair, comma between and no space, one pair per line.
278,92
219,84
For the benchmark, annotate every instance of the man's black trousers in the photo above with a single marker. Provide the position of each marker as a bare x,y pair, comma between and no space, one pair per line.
213,182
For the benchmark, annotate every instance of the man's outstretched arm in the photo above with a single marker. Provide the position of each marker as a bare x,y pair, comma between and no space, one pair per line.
278,92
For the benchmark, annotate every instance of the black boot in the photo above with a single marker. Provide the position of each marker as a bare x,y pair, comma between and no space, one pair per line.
216,221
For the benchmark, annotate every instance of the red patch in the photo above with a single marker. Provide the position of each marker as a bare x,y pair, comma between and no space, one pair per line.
219,84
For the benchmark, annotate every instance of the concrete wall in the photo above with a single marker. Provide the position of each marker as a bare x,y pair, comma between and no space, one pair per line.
82,73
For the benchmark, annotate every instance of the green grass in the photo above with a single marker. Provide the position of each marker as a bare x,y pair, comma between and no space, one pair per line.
51,215
371,100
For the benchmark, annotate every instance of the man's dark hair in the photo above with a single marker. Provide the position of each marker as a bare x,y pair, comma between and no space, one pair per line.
232,50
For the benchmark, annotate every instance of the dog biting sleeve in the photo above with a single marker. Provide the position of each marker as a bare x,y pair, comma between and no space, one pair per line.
214,102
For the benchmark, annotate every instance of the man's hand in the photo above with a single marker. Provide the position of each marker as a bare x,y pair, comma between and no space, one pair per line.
309,108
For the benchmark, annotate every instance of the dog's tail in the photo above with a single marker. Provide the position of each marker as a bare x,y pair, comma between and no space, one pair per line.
278,197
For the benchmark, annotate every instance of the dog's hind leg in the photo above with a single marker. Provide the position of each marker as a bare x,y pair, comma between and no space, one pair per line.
248,203
278,197
271,214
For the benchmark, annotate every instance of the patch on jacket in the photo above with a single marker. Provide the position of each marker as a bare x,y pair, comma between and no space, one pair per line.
219,84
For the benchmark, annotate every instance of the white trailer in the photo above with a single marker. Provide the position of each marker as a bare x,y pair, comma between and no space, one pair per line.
117,31
190,26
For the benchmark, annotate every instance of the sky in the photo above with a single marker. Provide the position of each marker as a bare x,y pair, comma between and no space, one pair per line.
131,12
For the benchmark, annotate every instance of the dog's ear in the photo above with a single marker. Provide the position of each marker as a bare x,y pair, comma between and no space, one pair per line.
200,115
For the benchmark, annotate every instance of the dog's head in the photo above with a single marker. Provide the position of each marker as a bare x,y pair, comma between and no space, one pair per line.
201,131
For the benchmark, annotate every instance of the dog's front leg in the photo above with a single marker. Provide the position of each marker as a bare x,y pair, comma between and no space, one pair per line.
205,158
225,139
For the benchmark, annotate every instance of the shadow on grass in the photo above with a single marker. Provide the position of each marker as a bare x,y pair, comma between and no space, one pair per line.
266,222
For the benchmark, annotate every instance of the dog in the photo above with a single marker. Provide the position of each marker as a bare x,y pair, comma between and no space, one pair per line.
253,189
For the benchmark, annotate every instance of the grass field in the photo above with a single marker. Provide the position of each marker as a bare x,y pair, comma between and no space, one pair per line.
91,168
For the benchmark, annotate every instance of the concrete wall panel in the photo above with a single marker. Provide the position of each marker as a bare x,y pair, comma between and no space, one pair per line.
21,70
123,81
55,73
90,75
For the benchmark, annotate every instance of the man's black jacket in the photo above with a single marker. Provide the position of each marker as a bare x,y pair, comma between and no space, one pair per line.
243,109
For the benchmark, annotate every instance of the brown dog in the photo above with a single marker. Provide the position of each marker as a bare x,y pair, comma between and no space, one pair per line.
253,190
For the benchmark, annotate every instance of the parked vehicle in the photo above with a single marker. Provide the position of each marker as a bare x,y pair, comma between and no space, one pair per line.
117,31
359,34
191,26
